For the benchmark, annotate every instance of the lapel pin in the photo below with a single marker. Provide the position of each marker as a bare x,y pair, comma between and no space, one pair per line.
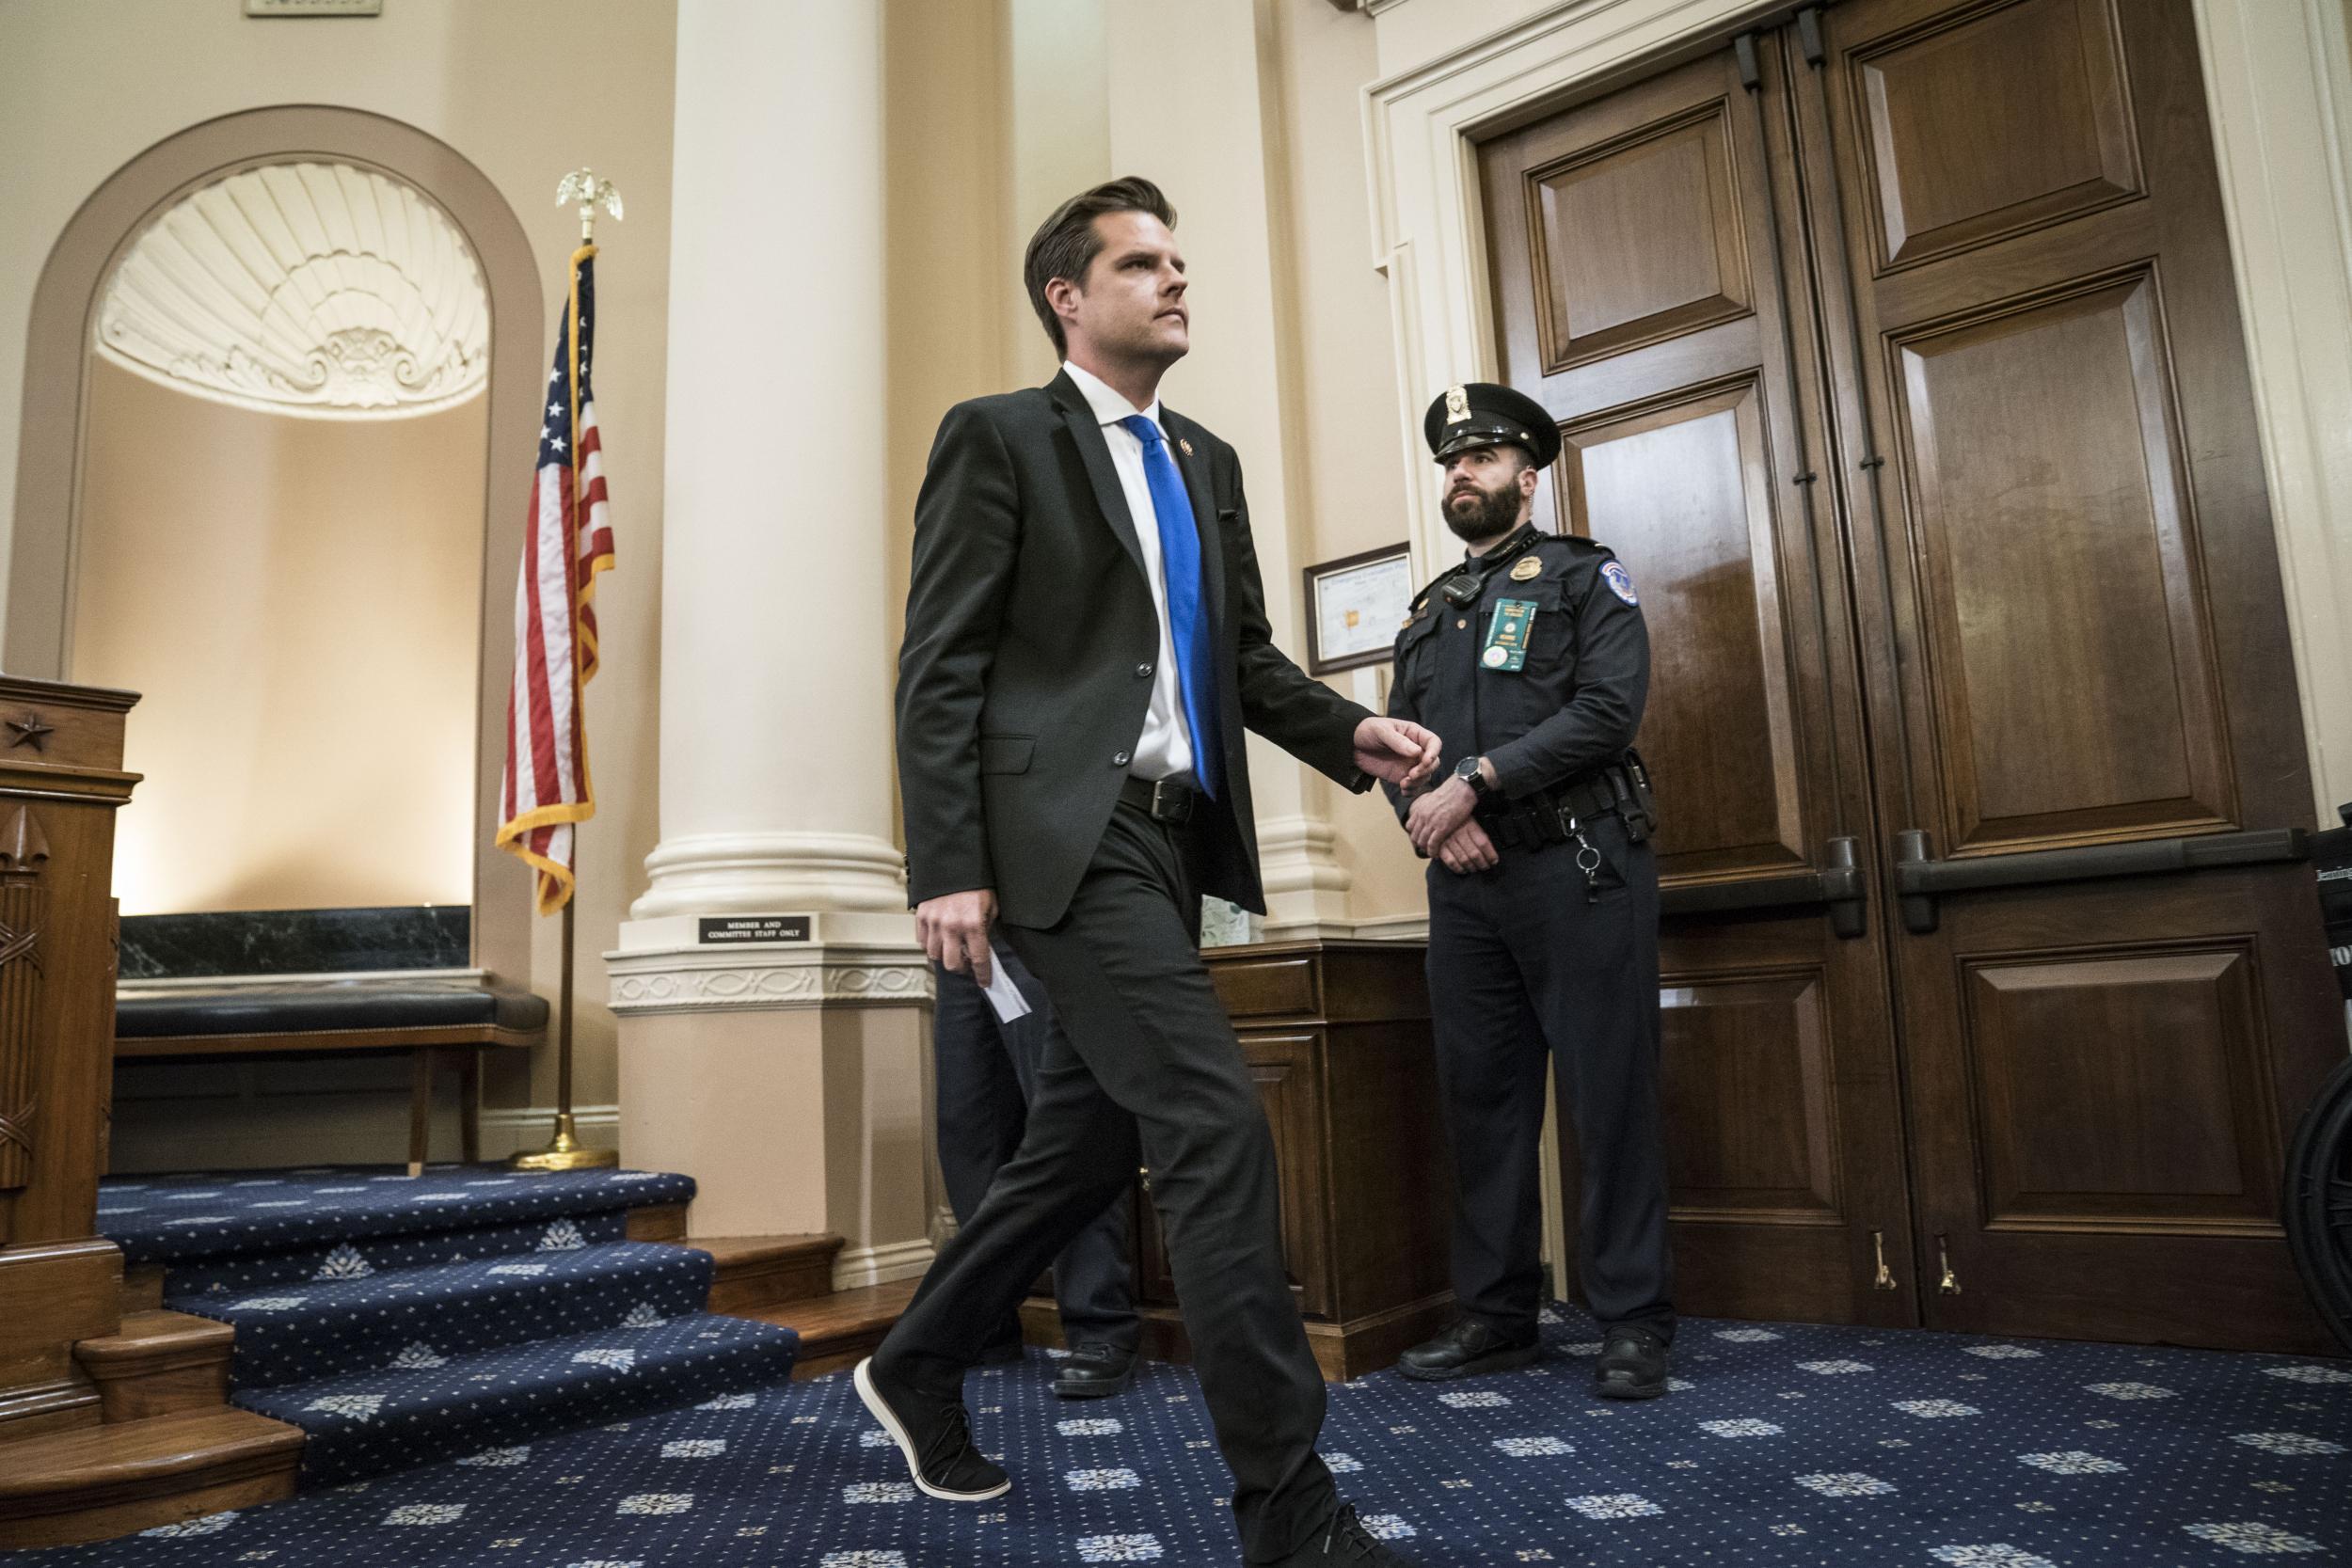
1184,446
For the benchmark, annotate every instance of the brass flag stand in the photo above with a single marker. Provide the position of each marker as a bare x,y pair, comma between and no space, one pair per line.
566,1152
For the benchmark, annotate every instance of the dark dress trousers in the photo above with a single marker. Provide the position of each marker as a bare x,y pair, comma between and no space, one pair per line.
1023,681
985,1072
1533,963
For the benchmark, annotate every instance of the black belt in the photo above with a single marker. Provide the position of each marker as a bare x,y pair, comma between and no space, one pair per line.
1162,800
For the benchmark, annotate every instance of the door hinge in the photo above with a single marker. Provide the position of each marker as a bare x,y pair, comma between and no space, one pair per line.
1884,1278
1950,1284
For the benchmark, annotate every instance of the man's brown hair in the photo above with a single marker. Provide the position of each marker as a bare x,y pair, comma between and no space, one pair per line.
1065,243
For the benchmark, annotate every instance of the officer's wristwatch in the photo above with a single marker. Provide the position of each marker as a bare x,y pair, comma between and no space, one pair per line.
1468,771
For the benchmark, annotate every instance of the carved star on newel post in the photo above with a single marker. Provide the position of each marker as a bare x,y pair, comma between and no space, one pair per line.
31,732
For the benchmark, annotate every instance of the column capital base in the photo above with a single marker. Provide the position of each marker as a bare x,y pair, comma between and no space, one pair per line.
758,873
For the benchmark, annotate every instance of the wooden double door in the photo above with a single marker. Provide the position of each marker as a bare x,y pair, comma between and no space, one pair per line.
1895,350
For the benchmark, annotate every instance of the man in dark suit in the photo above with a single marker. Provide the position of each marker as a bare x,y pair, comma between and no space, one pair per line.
1085,641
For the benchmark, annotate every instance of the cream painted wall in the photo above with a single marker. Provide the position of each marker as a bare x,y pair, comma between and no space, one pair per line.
84,87
299,599
993,113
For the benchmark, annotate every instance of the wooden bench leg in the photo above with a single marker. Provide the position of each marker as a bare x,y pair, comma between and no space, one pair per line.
470,1103
420,1106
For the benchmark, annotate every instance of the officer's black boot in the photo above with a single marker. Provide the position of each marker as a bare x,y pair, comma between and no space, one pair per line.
1469,1349
1095,1372
1633,1364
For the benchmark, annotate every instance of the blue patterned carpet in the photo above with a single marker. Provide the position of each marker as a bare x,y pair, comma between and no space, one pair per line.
1780,1446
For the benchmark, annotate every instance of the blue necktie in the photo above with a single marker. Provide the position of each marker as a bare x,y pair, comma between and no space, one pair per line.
1187,617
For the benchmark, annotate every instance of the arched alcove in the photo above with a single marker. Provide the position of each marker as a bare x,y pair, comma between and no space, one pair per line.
92,251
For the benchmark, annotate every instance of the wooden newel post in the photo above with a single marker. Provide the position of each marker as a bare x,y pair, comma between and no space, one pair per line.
61,780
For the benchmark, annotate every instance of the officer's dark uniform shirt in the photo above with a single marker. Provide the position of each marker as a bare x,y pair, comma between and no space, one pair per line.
1575,704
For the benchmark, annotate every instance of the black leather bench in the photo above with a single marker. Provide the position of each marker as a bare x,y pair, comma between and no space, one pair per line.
435,1020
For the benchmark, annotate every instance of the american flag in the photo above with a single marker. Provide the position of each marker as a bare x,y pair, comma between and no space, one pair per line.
567,540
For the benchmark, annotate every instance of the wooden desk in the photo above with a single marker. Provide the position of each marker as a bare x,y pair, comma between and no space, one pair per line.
1337,1034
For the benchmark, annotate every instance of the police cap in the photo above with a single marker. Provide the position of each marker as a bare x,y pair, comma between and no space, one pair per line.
1481,414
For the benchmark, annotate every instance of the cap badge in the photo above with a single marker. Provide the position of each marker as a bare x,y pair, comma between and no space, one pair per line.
1457,405
1527,570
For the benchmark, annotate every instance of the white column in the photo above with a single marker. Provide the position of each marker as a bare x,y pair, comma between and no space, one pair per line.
787,1076
775,689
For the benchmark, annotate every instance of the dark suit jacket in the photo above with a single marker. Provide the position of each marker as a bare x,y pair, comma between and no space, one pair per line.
1031,634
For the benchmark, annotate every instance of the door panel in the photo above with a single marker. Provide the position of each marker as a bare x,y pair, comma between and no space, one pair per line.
2037,93
2117,1085
1723,730
1643,301
2071,624
2072,553
1638,239
1747,1089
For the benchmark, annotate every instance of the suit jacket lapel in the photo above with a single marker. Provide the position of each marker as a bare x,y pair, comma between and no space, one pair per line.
1204,515
1095,453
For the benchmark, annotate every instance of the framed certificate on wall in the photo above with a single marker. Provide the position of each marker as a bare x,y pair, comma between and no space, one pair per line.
1354,607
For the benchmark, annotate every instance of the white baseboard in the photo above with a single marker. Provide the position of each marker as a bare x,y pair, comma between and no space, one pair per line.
858,1267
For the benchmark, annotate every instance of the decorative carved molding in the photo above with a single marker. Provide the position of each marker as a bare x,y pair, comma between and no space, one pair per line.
23,909
702,981
303,288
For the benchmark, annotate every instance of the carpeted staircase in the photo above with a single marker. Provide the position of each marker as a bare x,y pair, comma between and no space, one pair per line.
399,1320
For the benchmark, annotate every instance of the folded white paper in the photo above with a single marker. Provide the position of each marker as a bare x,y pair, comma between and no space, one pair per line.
1003,995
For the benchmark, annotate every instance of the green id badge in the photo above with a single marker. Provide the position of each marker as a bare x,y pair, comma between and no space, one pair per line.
1506,637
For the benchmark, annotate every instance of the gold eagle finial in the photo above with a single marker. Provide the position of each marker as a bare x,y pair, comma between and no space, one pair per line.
583,186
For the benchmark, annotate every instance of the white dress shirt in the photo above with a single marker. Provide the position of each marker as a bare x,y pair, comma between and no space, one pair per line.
1164,751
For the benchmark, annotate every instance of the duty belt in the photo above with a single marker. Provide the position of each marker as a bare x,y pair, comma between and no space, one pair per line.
1550,816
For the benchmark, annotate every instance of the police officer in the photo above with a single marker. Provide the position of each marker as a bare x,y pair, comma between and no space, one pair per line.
1532,663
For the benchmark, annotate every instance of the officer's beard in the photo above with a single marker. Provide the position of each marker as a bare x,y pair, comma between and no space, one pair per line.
1477,515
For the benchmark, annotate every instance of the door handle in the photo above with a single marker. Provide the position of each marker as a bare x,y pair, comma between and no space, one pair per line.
1837,885
1920,879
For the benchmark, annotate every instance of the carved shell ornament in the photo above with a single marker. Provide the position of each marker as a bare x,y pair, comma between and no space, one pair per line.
303,288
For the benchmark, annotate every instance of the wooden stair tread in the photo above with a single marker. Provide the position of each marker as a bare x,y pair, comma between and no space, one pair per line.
823,1319
757,1274
150,1335
70,1468
743,1251
839,1329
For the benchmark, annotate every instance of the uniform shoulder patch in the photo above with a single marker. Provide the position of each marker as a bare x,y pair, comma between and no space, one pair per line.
1620,581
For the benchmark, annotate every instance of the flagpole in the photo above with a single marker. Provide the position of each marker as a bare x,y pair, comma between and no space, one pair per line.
566,1152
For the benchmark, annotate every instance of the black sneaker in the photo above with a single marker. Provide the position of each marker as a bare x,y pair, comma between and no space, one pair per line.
1633,1364
1469,1349
935,1436
1094,1373
1342,1538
